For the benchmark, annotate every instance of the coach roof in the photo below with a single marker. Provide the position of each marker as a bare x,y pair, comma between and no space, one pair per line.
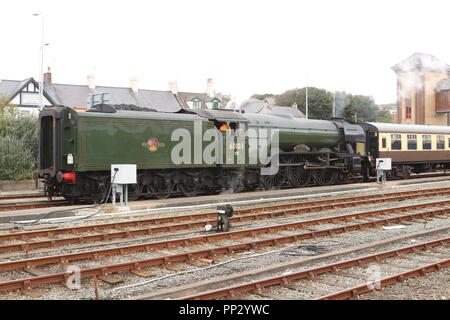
406,128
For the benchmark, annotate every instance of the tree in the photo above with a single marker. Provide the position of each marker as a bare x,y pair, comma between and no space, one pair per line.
320,101
18,143
263,96
360,109
383,115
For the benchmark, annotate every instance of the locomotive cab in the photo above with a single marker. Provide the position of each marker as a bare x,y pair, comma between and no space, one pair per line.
54,166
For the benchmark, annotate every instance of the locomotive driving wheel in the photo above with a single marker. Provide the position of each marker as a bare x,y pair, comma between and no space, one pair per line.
189,184
162,186
298,176
274,182
324,177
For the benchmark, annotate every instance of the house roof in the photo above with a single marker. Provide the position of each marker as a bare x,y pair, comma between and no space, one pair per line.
281,110
422,62
263,107
76,96
189,96
443,85
10,88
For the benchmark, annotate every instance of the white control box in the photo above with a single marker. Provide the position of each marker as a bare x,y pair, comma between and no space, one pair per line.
126,173
384,164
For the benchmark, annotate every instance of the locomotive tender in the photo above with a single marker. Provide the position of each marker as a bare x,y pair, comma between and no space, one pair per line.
77,149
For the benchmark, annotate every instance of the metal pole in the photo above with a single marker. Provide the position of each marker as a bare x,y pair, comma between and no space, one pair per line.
334,104
306,102
41,62
41,71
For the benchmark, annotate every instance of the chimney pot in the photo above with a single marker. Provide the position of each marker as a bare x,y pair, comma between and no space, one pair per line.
48,77
91,81
210,87
173,86
134,84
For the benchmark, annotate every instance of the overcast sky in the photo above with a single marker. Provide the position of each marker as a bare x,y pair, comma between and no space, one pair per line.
245,46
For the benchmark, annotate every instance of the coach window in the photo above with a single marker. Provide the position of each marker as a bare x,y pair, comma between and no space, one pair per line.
412,142
396,141
449,143
383,143
426,142
440,142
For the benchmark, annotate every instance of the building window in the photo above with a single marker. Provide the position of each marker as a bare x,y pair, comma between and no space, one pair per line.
396,141
426,142
412,142
408,109
440,142
196,104
215,104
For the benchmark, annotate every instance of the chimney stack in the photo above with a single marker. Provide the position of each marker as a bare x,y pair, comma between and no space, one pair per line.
173,86
91,81
48,77
210,87
134,84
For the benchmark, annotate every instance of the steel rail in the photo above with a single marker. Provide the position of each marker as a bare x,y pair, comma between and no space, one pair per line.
387,281
185,257
61,277
32,205
287,279
186,226
297,208
22,196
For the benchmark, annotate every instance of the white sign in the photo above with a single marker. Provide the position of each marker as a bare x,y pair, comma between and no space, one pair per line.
123,173
384,163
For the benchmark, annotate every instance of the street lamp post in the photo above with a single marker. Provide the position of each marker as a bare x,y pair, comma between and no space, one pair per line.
41,63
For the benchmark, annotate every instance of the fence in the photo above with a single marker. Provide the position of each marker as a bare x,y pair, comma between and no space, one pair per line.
18,158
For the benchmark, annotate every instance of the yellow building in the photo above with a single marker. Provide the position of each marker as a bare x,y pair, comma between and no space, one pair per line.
423,90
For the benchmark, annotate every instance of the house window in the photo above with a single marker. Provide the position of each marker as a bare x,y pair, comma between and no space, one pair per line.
440,142
408,109
426,142
412,142
396,141
196,103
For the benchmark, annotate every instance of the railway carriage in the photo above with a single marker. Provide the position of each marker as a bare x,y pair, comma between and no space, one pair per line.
412,148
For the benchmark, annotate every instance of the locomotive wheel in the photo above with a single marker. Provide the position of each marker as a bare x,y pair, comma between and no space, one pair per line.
189,185
162,187
324,177
134,192
298,176
275,181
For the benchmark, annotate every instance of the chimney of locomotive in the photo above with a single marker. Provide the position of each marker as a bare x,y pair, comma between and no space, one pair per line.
48,77
173,86
91,81
134,84
210,87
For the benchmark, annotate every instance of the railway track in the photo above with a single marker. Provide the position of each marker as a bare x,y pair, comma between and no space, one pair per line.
405,262
248,239
22,196
147,227
32,205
